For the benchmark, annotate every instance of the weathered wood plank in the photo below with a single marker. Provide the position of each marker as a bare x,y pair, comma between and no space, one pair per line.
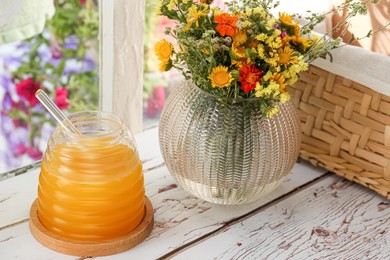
333,218
179,217
16,196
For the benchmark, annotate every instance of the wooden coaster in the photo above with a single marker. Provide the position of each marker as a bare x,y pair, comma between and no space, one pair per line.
83,248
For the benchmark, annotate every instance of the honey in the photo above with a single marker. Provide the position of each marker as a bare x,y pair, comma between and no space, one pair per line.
91,187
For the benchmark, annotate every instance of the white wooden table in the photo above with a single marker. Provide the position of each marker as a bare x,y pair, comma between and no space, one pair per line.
312,215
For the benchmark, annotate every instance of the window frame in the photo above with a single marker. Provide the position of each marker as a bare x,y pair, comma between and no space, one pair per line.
121,59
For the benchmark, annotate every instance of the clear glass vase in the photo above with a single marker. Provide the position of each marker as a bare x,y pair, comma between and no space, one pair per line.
223,151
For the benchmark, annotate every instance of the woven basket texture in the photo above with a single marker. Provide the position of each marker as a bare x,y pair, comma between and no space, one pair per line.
345,128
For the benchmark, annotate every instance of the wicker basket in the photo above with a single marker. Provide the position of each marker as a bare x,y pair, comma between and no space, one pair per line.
345,128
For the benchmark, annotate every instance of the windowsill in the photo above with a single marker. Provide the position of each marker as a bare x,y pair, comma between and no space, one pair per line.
20,170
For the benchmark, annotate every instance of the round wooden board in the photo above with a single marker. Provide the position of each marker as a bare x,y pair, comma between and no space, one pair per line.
85,249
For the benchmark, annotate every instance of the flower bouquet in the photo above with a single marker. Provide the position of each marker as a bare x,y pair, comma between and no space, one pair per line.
246,52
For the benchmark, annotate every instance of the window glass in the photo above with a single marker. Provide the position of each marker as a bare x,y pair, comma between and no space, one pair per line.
62,61
157,85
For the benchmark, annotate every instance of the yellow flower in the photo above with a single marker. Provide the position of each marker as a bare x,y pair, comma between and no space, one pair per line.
261,37
297,31
292,79
273,61
258,10
158,8
267,76
269,25
284,97
238,50
216,11
271,111
220,77
316,38
241,62
303,42
206,1
248,11
259,93
273,87
286,19
261,51
274,42
164,65
171,5
240,37
204,51
287,56
280,80
300,66
264,92
246,24
194,14
163,50
258,86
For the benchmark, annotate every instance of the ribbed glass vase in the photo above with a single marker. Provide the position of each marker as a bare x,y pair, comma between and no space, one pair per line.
223,151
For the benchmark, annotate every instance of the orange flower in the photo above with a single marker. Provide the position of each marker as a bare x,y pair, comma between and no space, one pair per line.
226,24
249,76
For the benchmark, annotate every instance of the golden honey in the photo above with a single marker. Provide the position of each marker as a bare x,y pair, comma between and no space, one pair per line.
91,186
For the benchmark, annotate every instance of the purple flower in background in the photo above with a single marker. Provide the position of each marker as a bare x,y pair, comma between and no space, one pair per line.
74,66
55,62
89,64
6,82
45,54
24,46
6,124
6,105
14,54
12,134
71,42
13,62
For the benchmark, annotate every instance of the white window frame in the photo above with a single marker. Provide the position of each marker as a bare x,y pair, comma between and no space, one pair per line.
121,59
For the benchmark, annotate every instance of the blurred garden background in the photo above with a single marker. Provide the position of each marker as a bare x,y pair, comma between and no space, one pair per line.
63,61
